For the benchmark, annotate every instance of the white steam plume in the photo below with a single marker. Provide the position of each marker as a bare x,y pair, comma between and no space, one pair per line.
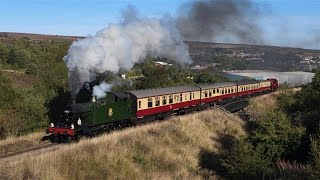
100,90
121,46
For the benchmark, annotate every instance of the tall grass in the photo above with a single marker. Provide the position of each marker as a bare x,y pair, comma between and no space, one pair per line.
168,149
14,143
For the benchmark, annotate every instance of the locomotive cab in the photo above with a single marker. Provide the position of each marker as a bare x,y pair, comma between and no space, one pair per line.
274,83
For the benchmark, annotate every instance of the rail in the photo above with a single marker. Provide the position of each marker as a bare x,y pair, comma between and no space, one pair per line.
235,117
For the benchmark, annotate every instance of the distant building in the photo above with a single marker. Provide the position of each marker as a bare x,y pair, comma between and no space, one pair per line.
160,63
308,58
199,68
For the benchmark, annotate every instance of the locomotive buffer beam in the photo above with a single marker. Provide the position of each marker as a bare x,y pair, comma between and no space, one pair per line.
236,105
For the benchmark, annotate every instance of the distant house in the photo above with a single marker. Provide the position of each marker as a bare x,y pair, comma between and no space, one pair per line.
160,63
199,68
308,58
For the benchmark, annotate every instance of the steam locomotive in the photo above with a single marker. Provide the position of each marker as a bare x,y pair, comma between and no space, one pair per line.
123,109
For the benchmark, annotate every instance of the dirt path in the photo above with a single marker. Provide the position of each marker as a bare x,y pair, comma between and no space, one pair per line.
11,71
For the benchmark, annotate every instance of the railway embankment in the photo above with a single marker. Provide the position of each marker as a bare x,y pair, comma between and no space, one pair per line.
180,147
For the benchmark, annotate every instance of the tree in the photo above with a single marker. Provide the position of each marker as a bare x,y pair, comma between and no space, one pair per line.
276,134
244,161
3,54
32,69
314,170
204,77
18,57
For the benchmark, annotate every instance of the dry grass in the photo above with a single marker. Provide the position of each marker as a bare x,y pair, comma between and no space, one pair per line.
164,150
14,143
262,104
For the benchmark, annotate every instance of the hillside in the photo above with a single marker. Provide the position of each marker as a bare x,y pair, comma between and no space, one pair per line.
7,37
182,147
222,56
253,57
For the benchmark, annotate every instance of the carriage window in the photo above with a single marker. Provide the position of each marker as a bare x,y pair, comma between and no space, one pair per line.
164,100
205,93
210,93
139,104
190,96
149,102
222,91
180,97
176,98
170,99
214,91
157,101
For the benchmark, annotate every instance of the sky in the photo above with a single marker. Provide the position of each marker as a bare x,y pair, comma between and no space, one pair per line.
85,17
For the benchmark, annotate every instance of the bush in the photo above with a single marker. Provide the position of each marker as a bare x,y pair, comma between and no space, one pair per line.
32,69
19,57
8,94
314,170
277,135
244,161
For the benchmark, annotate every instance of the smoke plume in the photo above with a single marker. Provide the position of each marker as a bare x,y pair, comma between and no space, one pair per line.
100,90
220,21
121,45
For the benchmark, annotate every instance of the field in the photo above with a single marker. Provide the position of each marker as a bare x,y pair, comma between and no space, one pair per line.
183,147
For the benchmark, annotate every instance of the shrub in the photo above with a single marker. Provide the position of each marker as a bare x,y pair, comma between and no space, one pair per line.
314,170
277,135
244,161
32,69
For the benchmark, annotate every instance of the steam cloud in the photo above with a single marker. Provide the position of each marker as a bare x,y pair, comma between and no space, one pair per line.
120,46
244,22
220,21
100,91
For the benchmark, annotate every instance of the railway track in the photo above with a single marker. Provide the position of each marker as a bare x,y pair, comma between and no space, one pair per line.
29,152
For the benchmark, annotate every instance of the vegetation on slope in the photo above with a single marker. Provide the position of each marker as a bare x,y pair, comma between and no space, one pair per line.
34,83
283,137
181,147
32,75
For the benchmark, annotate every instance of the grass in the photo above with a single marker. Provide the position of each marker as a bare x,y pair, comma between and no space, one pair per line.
262,104
12,144
164,150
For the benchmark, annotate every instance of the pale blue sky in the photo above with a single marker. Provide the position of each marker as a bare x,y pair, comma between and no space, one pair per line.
83,17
